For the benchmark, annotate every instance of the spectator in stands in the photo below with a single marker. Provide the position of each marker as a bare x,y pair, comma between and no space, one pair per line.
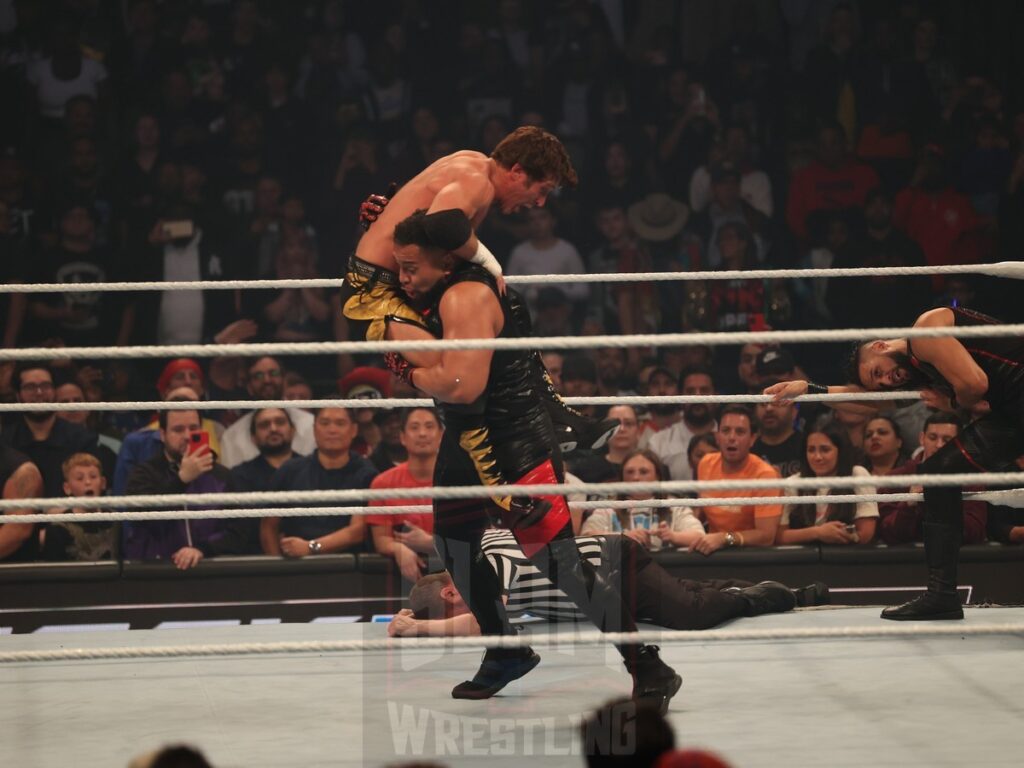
755,186
181,379
20,479
661,382
780,440
545,253
71,391
728,207
883,445
46,440
553,313
272,433
671,444
366,383
617,182
699,447
78,319
651,527
293,314
390,451
894,299
832,182
175,756
827,453
932,212
553,362
331,466
626,732
579,379
743,304
185,465
65,73
605,465
180,247
264,381
408,538
613,377
1005,523
901,521
67,540
627,307
753,525
296,387
137,180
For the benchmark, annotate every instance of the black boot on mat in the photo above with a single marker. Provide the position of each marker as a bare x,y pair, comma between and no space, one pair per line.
499,668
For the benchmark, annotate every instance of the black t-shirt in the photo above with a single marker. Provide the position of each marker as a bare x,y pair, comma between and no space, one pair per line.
785,456
98,314
48,455
255,474
308,474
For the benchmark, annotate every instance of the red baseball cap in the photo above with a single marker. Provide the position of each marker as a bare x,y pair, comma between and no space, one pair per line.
366,382
163,383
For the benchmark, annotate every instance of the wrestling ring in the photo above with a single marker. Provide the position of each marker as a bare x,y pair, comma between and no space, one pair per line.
817,686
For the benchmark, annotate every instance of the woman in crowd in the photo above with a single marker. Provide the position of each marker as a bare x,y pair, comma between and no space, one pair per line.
827,453
653,527
883,445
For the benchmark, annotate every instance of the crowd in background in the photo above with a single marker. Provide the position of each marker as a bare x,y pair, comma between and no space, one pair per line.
147,140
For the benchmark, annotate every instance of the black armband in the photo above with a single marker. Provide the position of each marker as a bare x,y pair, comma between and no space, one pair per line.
449,229
816,389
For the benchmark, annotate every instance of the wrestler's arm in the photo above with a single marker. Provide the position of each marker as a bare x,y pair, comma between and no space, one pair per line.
471,194
25,483
785,391
468,310
951,359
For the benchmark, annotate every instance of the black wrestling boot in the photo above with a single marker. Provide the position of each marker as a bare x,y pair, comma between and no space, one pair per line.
765,597
653,679
812,594
499,667
940,602
573,430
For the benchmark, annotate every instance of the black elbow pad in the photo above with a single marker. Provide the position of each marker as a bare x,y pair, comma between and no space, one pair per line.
448,229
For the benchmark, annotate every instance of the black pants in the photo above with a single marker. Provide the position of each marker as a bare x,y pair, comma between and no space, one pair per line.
655,596
989,444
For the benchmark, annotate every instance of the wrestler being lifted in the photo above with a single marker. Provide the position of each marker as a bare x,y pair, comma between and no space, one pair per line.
457,192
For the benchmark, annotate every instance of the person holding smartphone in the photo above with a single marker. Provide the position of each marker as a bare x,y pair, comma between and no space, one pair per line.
826,452
185,465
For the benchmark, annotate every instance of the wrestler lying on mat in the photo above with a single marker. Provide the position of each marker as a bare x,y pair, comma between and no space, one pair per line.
651,592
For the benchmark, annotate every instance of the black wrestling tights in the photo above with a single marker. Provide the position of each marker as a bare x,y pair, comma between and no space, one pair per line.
594,594
476,581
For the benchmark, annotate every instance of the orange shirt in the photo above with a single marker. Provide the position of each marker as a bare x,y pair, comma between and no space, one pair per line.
399,476
732,518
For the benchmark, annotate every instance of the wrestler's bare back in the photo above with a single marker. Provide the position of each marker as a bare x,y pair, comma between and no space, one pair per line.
469,169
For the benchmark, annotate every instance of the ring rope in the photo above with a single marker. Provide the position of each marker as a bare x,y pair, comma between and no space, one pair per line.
421,402
540,342
1010,269
553,640
1014,498
361,495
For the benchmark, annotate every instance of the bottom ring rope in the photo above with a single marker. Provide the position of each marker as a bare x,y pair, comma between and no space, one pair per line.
557,640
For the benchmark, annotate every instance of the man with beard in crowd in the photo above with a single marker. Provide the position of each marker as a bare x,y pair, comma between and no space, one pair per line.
272,432
672,444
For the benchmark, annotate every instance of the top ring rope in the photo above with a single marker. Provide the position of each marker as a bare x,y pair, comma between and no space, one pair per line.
1011,269
420,402
362,495
530,342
